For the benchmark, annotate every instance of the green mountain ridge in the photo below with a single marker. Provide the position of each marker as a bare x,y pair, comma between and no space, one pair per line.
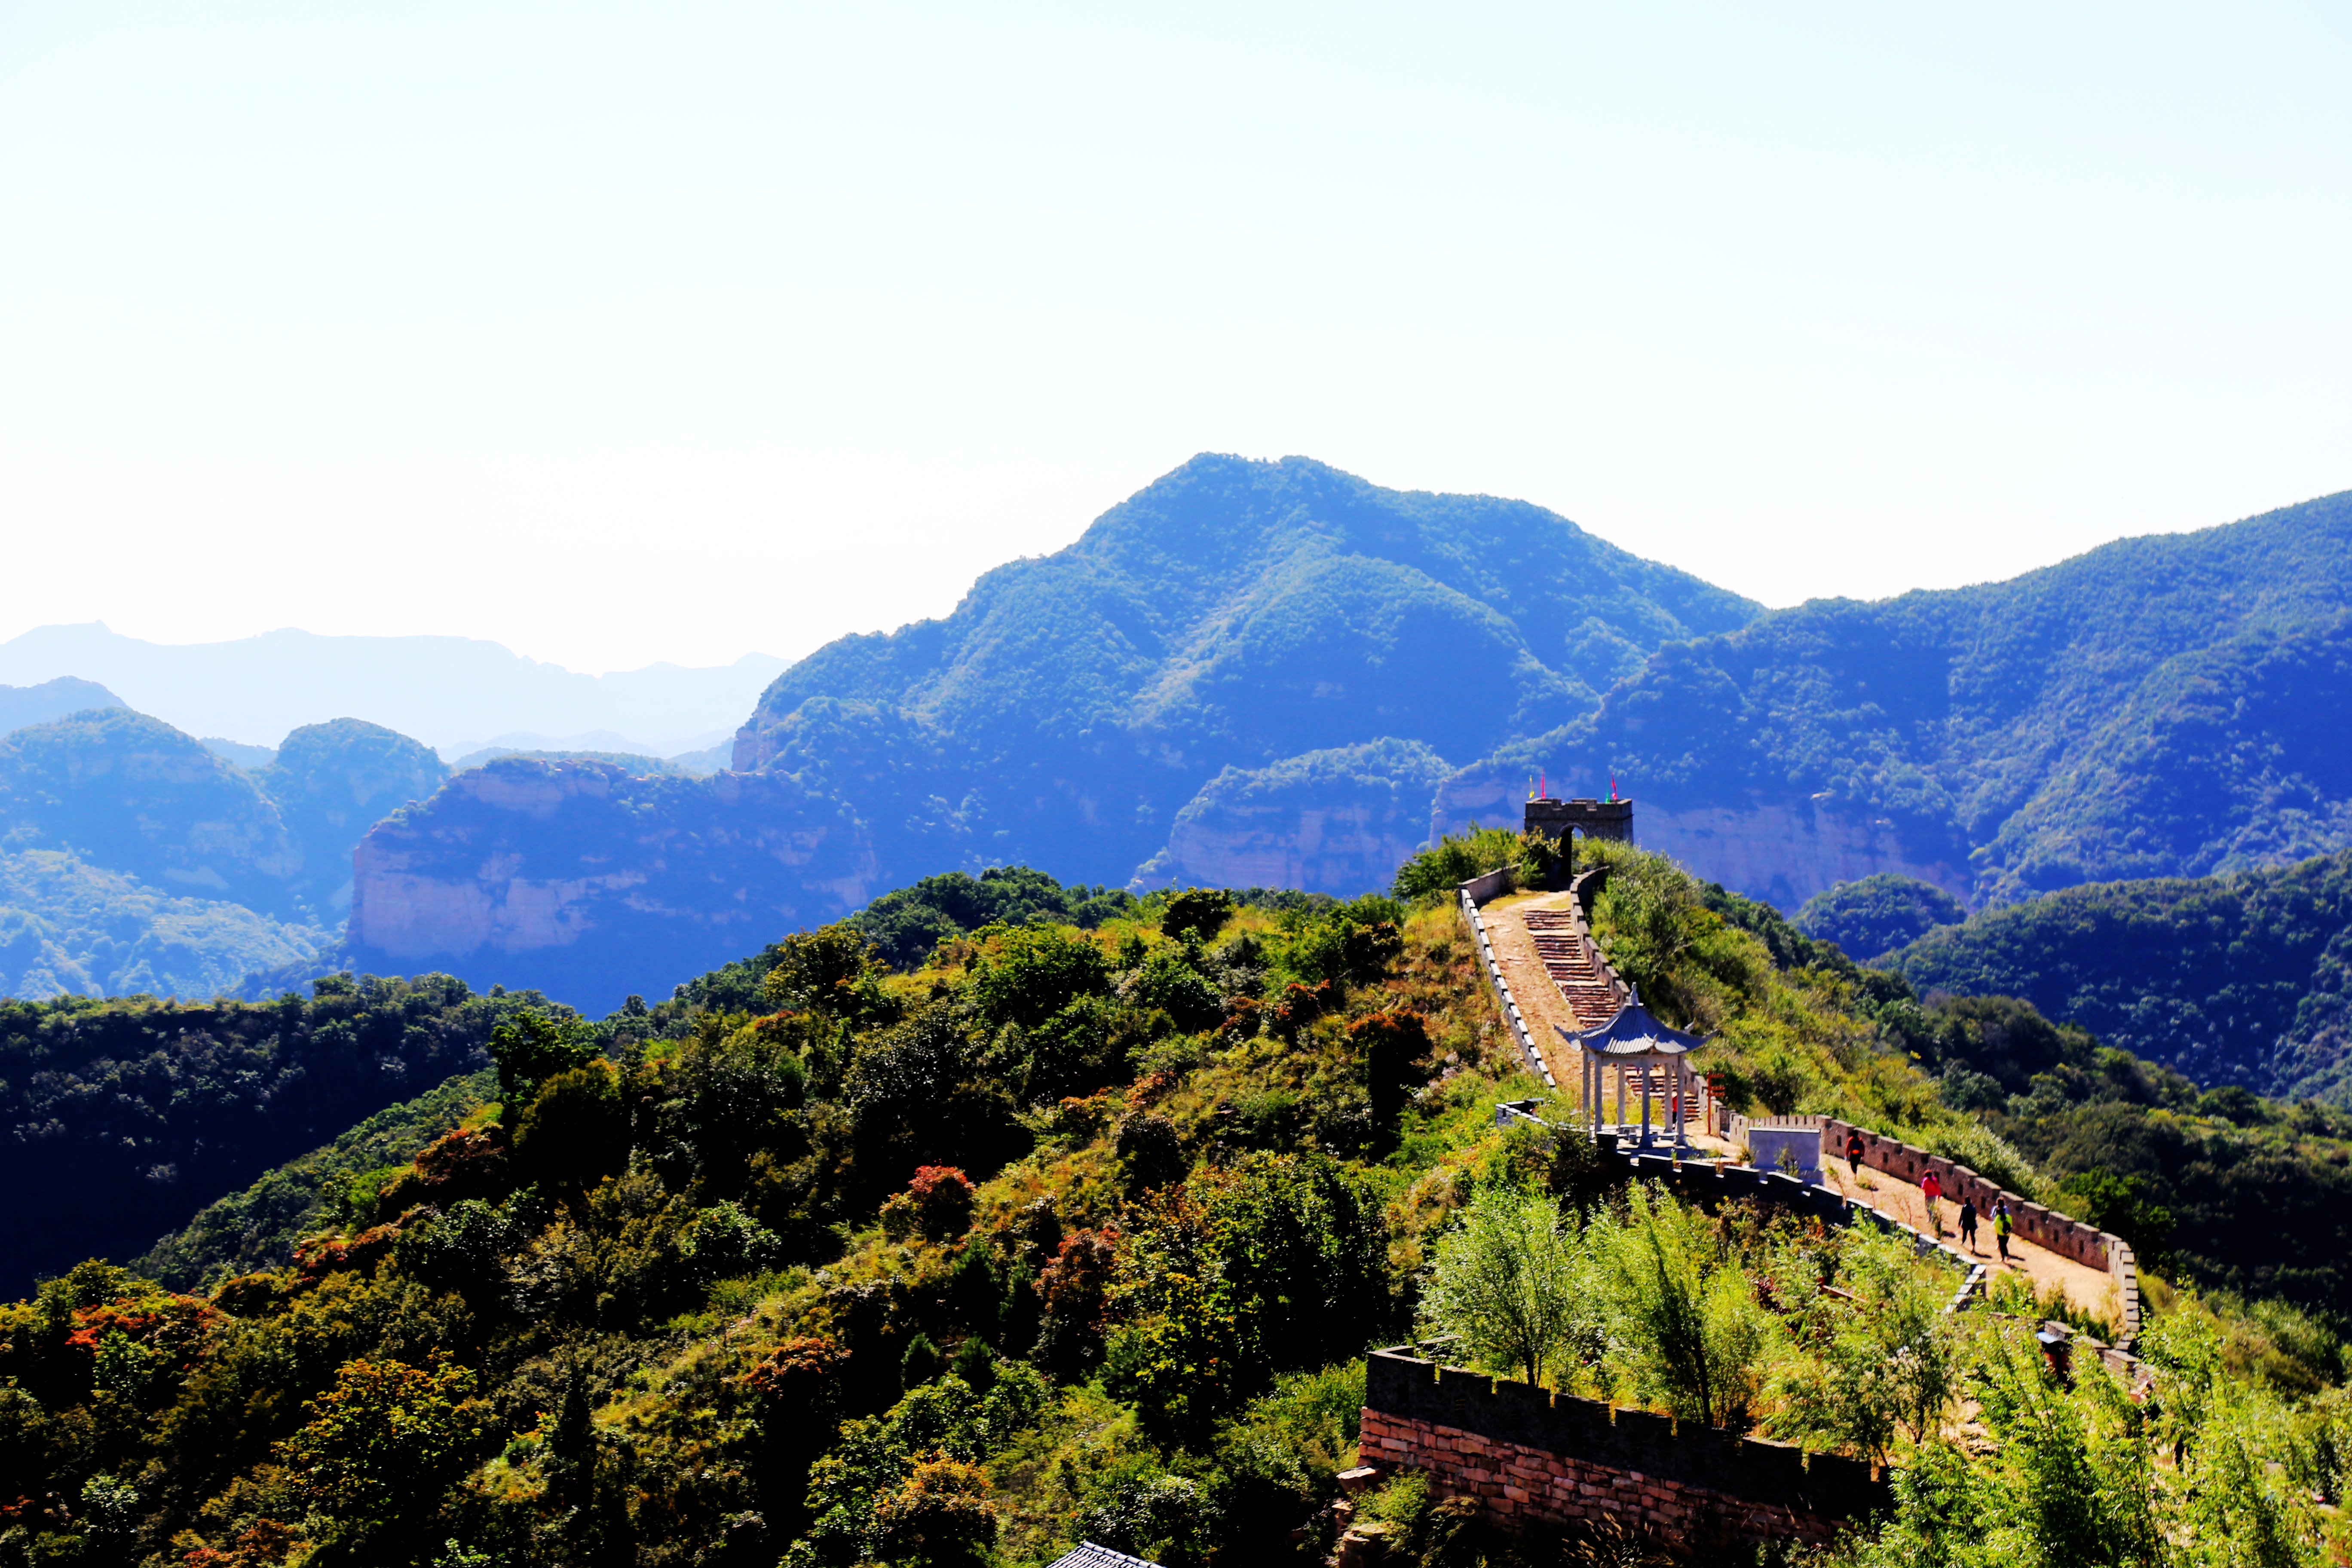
2155,705
2237,979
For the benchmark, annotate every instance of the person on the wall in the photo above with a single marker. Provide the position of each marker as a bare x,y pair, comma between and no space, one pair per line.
1931,1187
2001,1227
1853,1151
1969,1224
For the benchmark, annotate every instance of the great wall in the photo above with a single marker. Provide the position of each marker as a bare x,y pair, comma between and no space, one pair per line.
1530,1456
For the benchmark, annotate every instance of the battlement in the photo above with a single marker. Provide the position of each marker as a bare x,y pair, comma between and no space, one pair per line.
1533,1456
1593,818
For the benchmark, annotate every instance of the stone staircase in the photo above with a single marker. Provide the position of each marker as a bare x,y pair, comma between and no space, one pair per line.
1573,966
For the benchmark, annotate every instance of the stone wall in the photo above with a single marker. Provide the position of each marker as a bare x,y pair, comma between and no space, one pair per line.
2044,1227
1534,1458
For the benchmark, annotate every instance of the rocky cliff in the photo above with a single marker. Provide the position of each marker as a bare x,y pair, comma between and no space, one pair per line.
589,882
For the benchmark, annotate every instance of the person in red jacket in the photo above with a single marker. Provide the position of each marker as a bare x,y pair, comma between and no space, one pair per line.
1931,1187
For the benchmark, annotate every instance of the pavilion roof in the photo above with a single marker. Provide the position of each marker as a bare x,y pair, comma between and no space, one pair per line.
1633,1032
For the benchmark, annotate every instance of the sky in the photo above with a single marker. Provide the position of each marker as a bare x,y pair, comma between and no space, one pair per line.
626,332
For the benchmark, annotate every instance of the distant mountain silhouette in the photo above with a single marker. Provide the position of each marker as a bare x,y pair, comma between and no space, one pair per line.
23,705
443,691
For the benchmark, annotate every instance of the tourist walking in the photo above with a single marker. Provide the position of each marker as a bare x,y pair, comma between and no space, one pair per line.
2001,1227
1969,1224
1931,1187
1853,1153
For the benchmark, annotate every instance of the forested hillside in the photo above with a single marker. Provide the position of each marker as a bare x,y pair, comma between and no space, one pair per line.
123,1117
2157,706
1078,1232
2239,979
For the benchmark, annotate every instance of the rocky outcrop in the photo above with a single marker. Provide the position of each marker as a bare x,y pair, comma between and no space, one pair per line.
1337,822
589,882
1779,851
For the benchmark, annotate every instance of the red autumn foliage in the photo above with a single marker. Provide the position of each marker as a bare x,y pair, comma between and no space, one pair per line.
944,1201
799,1373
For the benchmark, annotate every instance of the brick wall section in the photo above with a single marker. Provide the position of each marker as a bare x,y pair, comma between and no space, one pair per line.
1534,1458
2044,1227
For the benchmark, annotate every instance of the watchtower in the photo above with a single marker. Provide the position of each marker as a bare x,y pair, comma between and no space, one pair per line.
1593,818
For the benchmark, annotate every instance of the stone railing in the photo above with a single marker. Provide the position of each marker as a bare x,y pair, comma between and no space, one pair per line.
1534,1458
1477,890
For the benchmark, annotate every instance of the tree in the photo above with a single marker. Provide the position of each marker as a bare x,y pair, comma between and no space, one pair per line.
832,970
1509,1284
380,1443
530,1047
1200,911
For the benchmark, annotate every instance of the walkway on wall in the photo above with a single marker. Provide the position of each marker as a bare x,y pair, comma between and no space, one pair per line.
2088,1288
1541,1000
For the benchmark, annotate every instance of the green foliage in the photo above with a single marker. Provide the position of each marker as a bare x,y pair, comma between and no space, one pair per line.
1027,974
257,1227
1512,1286
147,1110
1435,872
67,927
907,924
379,1443
530,1047
1683,1318
830,972
1878,914
2232,979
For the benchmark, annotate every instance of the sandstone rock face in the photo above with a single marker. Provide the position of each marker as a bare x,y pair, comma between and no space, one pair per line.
1337,822
1779,852
590,882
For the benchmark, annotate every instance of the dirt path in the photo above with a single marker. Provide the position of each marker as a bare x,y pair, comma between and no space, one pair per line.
1541,1002
2087,1288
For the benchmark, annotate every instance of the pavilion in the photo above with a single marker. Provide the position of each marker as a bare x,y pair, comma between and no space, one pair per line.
1635,1041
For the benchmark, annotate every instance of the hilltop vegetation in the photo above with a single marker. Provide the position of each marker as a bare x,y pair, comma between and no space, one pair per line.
69,928
23,705
1072,1230
2237,979
128,1114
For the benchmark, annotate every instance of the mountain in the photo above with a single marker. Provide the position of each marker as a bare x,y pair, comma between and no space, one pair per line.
444,690
331,783
2240,979
69,928
131,794
2158,705
1878,914
23,705
1247,671
134,858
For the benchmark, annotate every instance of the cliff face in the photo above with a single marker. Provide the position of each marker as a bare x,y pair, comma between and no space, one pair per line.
1783,852
589,882
1337,822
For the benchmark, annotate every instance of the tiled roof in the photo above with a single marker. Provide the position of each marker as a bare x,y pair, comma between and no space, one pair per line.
1087,1555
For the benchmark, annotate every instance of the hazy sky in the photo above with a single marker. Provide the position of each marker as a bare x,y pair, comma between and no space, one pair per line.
624,332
